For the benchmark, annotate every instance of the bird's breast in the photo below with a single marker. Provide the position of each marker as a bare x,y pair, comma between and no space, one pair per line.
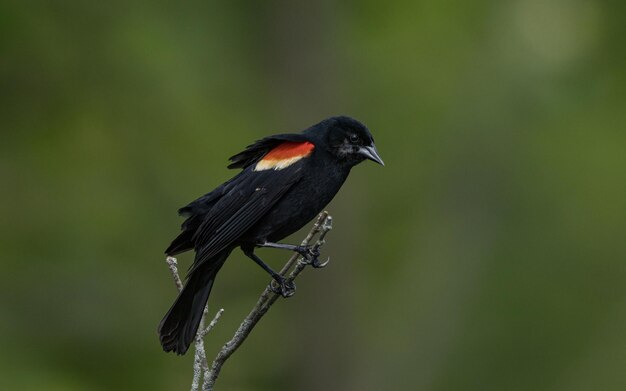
298,206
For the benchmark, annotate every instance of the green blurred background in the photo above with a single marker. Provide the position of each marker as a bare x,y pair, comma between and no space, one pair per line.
489,254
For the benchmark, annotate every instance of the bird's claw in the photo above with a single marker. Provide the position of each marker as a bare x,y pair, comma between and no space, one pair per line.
311,255
283,287
315,263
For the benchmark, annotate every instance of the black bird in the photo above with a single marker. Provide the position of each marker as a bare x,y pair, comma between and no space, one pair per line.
286,180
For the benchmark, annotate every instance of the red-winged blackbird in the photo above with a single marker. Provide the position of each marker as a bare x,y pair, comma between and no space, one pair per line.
287,179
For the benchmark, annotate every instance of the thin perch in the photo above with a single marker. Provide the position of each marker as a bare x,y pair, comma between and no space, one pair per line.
322,226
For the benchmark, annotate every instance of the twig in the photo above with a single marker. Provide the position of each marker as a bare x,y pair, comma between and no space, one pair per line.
267,299
200,363
173,265
204,332
201,368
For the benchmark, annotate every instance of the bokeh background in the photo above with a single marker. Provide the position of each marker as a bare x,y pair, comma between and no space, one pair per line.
489,254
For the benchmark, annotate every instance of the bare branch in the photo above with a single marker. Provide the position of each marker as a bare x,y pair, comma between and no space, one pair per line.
173,265
204,332
296,262
267,299
200,363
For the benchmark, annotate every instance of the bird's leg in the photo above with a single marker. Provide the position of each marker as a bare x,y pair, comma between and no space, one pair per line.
311,253
285,288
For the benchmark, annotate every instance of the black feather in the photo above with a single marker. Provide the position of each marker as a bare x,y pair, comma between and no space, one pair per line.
240,209
254,207
180,325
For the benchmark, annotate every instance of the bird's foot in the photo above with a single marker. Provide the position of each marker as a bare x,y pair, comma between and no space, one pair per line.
317,264
311,255
283,287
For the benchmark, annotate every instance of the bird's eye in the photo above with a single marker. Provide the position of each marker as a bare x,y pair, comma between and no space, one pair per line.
354,138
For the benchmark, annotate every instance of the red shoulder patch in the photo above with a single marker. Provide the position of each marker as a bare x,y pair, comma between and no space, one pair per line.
284,155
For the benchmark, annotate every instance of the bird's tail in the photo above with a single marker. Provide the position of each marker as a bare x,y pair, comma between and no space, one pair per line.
179,326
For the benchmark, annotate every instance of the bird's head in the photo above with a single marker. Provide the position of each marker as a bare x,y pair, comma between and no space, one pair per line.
350,141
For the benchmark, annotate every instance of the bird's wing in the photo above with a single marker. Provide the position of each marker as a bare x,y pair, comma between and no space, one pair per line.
251,196
207,213
254,152
195,213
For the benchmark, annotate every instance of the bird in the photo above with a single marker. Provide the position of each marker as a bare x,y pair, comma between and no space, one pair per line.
285,181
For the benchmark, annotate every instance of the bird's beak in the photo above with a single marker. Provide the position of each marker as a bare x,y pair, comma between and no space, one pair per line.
371,153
